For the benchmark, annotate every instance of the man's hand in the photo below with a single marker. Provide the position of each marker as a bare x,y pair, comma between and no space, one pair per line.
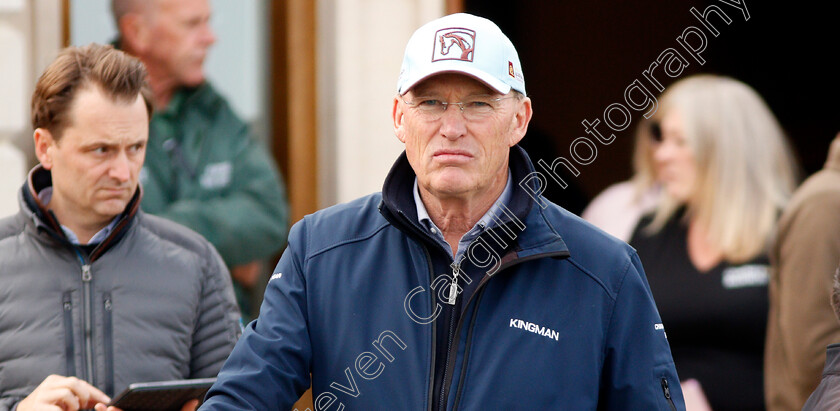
247,274
191,405
62,393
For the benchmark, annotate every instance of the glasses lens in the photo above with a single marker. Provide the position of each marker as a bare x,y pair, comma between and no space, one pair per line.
475,108
429,107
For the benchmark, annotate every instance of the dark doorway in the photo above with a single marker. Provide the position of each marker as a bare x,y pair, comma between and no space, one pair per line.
579,57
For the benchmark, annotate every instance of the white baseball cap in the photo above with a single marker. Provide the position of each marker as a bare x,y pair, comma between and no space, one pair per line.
462,43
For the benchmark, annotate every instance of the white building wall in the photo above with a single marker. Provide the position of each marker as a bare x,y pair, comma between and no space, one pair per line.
27,49
361,45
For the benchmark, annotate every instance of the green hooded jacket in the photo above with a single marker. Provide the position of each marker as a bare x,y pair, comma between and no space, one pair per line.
205,170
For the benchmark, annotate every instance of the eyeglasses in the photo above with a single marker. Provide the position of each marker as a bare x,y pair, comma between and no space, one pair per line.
476,108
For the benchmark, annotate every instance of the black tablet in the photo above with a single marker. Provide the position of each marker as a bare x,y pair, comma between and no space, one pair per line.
161,395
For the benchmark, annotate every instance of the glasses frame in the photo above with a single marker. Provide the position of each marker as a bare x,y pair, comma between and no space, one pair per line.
461,104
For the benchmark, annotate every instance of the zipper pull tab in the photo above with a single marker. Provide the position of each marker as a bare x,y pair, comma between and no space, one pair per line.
86,276
453,286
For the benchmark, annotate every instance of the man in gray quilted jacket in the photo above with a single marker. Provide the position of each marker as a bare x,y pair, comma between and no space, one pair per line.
96,294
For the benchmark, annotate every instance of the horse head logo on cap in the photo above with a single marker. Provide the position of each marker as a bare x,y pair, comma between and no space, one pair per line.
445,39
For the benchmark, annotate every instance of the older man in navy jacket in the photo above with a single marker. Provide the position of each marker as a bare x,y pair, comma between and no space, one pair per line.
457,286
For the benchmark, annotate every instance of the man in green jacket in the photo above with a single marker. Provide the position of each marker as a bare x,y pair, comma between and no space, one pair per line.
203,168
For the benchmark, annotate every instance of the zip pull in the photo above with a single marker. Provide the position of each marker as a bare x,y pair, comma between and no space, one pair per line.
453,286
86,276
665,389
667,392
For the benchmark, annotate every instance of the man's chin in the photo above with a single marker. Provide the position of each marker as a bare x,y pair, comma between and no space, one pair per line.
111,208
450,189
193,80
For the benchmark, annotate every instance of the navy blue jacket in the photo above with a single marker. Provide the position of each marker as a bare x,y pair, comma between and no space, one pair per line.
561,315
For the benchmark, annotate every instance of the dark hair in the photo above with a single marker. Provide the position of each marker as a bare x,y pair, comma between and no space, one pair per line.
120,76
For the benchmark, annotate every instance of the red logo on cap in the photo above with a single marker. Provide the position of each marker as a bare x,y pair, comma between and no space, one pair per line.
445,39
510,69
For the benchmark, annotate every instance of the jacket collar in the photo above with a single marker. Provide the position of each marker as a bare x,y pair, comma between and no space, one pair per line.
44,220
524,218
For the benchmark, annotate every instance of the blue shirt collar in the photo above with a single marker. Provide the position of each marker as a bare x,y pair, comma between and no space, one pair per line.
485,222
45,196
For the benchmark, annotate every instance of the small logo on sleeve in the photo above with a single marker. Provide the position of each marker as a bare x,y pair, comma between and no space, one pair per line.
275,276
659,326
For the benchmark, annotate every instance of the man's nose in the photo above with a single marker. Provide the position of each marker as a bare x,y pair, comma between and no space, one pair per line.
453,123
121,167
208,37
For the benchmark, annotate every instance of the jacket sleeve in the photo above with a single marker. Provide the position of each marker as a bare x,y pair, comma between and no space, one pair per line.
9,403
638,371
270,366
809,251
219,325
250,220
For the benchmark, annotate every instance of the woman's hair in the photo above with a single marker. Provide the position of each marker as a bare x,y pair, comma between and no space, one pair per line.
746,170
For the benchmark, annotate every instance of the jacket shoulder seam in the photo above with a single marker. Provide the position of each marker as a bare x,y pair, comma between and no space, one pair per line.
348,241
614,305
598,280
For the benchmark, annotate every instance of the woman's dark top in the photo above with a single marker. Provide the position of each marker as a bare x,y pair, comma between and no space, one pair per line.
715,320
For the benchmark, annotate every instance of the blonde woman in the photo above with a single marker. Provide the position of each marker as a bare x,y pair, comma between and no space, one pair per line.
726,172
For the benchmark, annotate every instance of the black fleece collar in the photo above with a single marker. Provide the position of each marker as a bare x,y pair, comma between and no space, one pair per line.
40,178
398,200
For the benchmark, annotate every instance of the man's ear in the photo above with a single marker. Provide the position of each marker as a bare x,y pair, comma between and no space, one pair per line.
520,121
398,115
44,146
135,33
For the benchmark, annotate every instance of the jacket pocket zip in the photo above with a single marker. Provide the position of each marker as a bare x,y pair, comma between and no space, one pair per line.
667,392
87,277
108,335
69,352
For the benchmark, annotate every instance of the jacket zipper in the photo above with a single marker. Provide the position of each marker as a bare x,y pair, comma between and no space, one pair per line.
447,380
107,332
667,392
88,320
431,398
449,355
452,297
466,353
447,376
453,286
69,352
